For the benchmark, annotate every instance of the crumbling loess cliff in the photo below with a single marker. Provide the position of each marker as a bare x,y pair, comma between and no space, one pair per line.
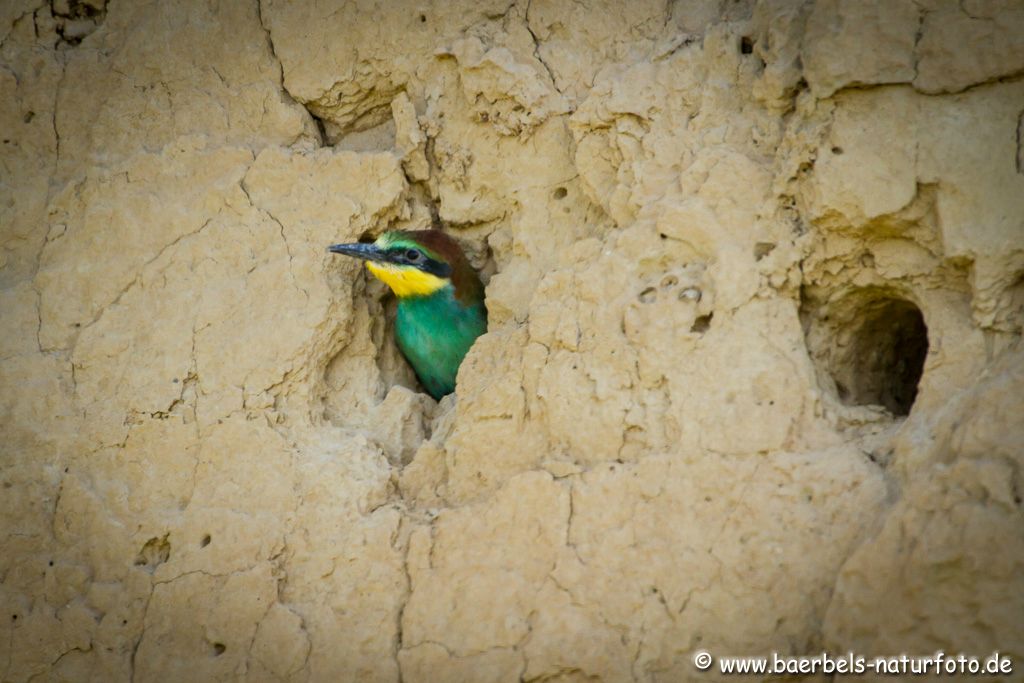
753,379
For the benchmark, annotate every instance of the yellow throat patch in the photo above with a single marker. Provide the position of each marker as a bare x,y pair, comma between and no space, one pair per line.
406,281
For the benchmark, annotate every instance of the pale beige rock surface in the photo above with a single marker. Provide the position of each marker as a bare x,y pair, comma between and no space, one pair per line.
713,234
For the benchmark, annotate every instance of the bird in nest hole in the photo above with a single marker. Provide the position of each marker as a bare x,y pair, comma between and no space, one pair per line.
441,308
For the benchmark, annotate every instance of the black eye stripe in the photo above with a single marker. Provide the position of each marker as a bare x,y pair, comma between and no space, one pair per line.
400,256
435,268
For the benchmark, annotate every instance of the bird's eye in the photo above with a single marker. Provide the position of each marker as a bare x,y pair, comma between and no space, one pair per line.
412,256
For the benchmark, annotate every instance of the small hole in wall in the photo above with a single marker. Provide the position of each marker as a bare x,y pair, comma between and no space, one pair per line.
29,116
762,249
873,344
649,295
837,150
218,649
746,45
691,294
155,552
702,324
561,193
423,18
205,541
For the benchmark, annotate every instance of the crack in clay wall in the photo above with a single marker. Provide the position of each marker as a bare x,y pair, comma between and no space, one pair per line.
714,237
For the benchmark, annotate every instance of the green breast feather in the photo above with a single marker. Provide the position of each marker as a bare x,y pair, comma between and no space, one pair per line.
434,333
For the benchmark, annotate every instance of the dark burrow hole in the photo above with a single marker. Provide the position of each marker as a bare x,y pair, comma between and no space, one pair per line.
702,324
874,347
762,249
205,541
561,193
888,353
746,45
218,649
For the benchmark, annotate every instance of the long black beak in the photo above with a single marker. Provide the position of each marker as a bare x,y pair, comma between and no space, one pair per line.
366,252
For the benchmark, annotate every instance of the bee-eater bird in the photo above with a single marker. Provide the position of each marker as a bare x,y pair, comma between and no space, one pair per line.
441,308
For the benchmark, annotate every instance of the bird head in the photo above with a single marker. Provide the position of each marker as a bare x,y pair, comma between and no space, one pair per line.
415,263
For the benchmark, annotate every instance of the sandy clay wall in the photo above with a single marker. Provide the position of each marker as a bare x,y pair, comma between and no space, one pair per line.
753,380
